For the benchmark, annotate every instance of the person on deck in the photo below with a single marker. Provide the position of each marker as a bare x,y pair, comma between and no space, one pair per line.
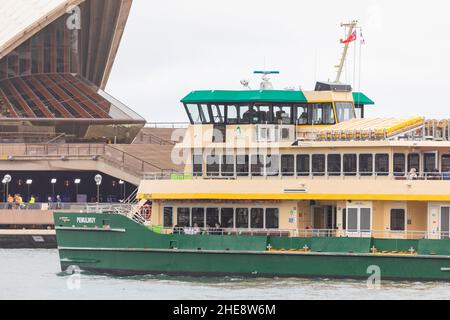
10,201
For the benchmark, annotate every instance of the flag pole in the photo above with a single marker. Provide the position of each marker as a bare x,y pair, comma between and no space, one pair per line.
352,25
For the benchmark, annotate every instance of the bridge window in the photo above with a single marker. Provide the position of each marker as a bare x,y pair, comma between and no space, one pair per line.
345,111
282,114
262,114
205,114
350,164
232,114
303,168
257,218
227,166
242,165
399,164
321,114
246,114
398,220
198,217
242,218
212,217
227,217
287,165
194,113
272,218
382,164
218,113
168,217
366,164
318,164
334,164
183,217
413,162
301,114
272,165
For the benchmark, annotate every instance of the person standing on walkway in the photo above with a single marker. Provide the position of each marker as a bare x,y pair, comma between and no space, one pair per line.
10,202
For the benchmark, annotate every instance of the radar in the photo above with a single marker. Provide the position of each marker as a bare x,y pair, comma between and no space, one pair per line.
266,84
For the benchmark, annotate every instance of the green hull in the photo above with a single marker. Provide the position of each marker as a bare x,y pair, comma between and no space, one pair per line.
124,247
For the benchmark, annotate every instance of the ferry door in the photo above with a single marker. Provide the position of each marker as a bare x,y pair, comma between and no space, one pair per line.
445,222
323,220
359,221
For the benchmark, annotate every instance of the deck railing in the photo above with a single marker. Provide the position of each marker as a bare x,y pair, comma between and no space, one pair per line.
305,233
433,176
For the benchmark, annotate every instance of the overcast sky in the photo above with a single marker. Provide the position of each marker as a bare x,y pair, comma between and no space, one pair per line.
171,48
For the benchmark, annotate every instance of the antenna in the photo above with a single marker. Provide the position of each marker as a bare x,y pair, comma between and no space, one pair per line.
266,84
351,36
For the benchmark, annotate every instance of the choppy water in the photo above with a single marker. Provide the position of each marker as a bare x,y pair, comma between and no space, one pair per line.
35,274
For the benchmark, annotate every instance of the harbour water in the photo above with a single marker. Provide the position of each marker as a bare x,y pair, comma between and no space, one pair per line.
35,274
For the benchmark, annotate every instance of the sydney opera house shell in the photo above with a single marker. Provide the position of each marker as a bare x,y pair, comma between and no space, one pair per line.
55,60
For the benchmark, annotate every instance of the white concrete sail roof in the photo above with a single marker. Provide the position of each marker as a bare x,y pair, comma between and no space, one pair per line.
20,19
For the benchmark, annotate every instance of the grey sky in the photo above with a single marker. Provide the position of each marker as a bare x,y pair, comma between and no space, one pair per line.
173,47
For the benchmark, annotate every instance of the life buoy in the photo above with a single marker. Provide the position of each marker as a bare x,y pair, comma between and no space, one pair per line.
147,212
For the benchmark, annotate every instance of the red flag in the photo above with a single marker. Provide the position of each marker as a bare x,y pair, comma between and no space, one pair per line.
352,38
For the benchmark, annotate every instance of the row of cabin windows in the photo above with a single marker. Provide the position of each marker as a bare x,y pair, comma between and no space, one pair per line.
290,165
317,164
301,114
232,218
397,219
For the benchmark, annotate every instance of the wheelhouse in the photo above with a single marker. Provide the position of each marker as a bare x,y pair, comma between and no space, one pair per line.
270,107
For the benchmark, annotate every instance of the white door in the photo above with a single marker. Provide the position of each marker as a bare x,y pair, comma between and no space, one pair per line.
359,221
445,222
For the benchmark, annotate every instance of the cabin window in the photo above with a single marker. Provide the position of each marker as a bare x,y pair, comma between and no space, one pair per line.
303,168
218,113
445,163
350,163
429,162
399,164
344,219
197,165
242,165
212,217
302,114
382,164
262,114
242,218
398,220
318,164
257,165
227,217
198,217
344,111
168,217
413,162
204,114
183,217
272,218
272,165
212,165
282,114
287,165
334,164
193,113
366,164
227,166
257,218
232,114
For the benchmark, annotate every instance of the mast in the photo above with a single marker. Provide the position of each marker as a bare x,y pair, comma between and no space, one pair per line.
351,27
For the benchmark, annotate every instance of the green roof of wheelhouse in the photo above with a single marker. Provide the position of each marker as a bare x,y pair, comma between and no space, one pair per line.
361,98
245,96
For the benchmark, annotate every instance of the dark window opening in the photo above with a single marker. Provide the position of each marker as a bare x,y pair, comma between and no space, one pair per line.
398,220
303,169
242,165
227,166
257,218
334,164
350,164
366,164
242,218
382,164
198,217
287,165
168,217
318,164
257,165
399,164
183,217
272,218
227,217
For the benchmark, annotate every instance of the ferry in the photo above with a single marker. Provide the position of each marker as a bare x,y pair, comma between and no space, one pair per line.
282,183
